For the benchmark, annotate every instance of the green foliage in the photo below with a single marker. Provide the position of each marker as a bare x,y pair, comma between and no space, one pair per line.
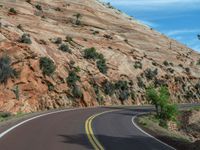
5,114
78,16
76,91
166,63
13,11
58,40
108,87
90,53
65,48
160,98
138,65
47,66
169,112
187,70
50,86
140,82
123,90
26,39
6,71
39,7
101,65
150,74
72,78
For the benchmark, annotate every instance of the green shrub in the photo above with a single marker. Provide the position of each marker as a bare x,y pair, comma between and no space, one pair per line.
65,48
150,74
72,78
76,91
138,65
101,65
6,71
140,82
5,114
47,66
78,16
58,40
26,39
39,7
187,70
90,53
166,63
13,11
108,87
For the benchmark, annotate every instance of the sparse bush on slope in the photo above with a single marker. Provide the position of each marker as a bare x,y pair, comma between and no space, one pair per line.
47,66
6,71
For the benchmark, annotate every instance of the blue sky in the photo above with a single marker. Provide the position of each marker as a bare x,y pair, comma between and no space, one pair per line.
178,19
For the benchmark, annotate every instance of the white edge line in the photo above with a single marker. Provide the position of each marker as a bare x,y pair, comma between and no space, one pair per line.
42,115
133,121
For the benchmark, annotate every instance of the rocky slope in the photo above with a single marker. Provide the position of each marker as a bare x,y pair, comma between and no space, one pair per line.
134,56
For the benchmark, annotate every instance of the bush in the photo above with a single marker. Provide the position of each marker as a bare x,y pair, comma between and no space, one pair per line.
78,16
198,62
150,74
47,66
65,48
58,40
13,11
6,71
90,53
72,78
166,63
25,39
5,114
39,7
76,91
108,88
187,70
140,82
101,65
138,65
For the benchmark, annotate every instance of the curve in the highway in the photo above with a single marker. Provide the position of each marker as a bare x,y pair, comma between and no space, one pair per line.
111,128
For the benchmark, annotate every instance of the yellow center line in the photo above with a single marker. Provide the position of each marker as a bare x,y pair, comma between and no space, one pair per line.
90,133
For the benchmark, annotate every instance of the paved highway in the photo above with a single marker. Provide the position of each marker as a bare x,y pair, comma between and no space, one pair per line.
82,129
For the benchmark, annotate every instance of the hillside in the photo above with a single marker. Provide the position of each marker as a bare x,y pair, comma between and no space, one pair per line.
129,56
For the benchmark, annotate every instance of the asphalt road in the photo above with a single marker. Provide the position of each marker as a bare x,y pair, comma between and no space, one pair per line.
66,131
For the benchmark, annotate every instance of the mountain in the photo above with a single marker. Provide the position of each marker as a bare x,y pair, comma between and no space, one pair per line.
85,53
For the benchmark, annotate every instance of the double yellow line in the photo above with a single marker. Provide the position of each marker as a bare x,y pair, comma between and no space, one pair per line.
90,133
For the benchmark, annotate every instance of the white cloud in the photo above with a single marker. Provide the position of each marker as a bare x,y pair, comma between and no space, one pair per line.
182,31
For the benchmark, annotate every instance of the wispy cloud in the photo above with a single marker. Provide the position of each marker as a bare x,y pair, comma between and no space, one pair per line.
182,31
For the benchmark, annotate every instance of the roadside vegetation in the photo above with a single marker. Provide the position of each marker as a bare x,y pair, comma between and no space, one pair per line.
165,111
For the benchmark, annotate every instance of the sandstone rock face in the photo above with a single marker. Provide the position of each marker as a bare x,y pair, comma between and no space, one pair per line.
123,42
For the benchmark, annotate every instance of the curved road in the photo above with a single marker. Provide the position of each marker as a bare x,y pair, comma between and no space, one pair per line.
67,130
